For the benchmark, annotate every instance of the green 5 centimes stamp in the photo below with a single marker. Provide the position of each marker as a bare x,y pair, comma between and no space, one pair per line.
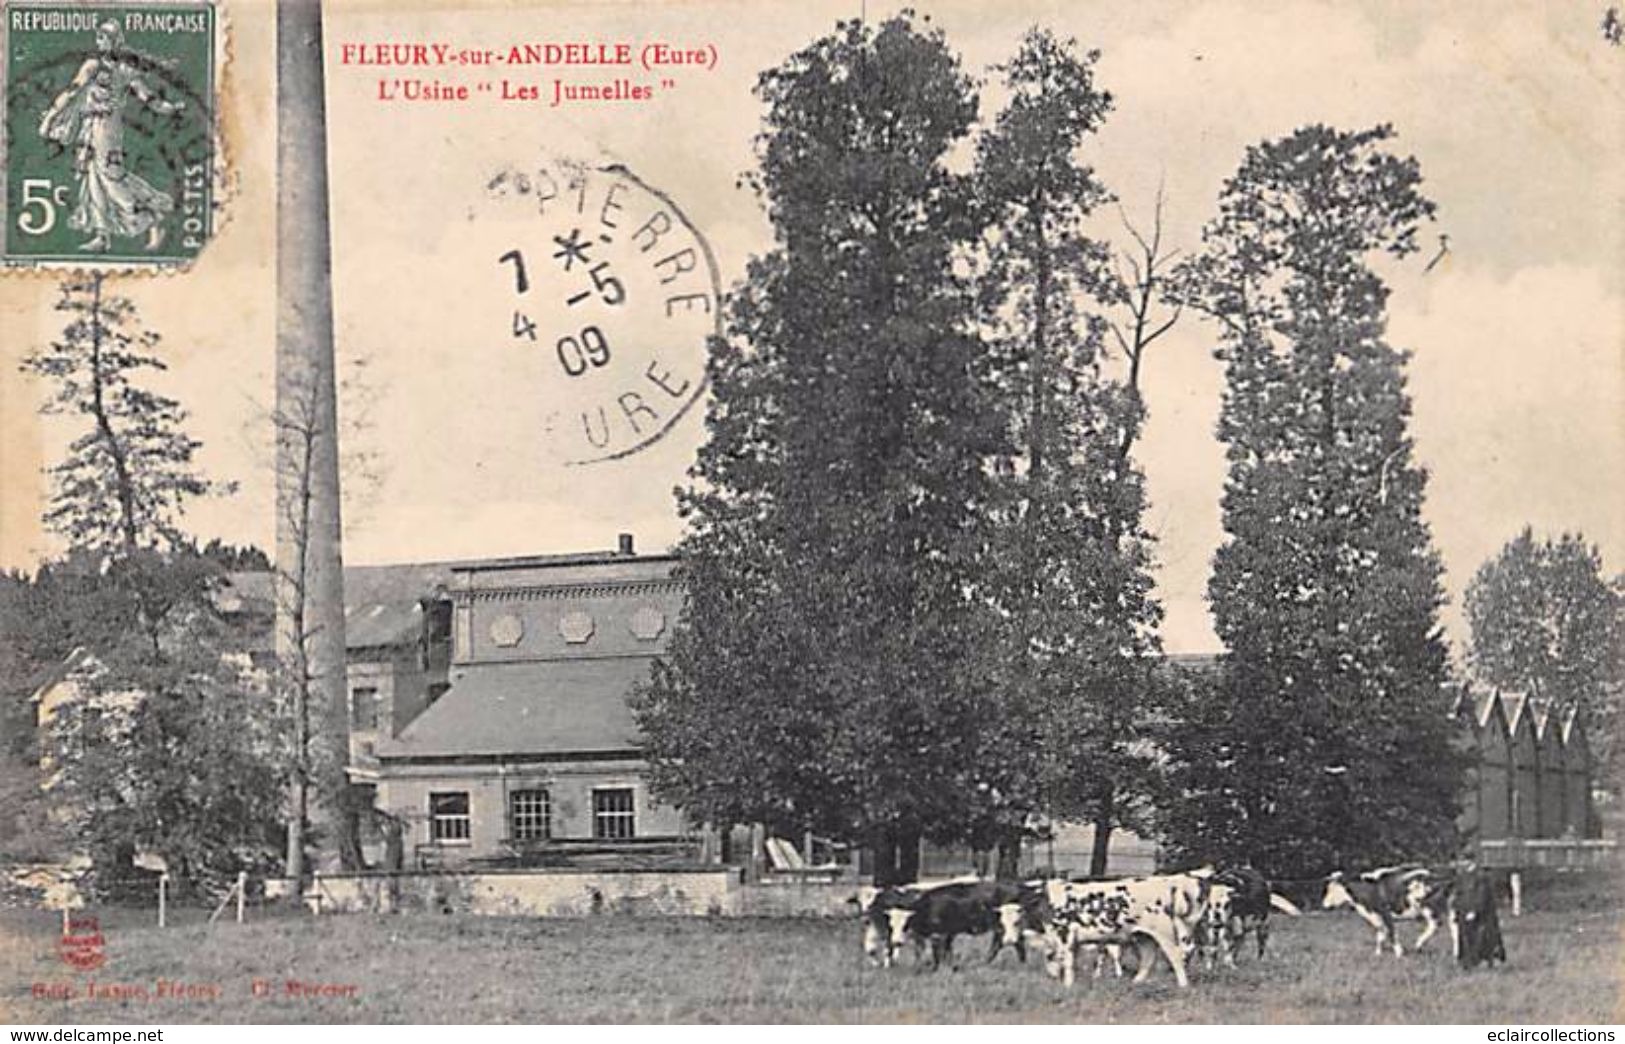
109,142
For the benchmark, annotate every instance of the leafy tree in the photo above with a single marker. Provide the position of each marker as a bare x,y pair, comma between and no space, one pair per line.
1327,740
123,486
26,832
1074,578
125,480
170,752
833,662
1546,622
165,728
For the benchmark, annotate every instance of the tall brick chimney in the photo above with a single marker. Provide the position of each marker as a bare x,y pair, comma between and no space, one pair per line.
626,545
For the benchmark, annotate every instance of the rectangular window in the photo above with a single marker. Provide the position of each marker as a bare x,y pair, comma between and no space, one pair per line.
612,815
364,707
448,816
530,815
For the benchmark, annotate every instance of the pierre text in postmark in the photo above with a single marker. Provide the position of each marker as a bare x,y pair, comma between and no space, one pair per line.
618,290
109,142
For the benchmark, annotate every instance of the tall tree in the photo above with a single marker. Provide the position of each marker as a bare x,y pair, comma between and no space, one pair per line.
840,514
126,478
122,489
1328,739
1546,622
1074,583
160,729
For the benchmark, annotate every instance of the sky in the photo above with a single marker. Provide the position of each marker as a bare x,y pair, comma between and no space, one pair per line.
1514,111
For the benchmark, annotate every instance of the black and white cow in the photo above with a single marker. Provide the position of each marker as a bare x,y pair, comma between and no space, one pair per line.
1239,905
875,906
881,909
940,915
1475,926
1164,909
1390,894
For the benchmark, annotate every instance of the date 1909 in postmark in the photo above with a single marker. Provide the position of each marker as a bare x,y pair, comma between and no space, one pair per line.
109,146
612,284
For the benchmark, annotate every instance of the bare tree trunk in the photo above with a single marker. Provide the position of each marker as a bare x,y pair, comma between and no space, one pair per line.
311,575
884,849
908,855
1009,868
1105,812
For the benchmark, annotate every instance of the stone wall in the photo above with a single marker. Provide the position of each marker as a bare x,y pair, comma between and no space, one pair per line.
780,897
707,891
531,893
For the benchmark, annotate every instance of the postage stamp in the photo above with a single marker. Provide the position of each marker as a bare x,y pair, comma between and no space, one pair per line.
109,140
617,288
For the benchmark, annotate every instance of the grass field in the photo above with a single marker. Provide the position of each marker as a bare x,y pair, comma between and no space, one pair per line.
1567,966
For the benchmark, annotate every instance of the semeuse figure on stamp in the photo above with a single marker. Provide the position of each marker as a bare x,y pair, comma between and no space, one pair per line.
88,116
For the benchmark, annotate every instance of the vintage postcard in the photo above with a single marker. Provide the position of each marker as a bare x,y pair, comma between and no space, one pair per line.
827,512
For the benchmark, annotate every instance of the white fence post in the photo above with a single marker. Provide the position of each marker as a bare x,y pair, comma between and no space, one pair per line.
163,897
242,888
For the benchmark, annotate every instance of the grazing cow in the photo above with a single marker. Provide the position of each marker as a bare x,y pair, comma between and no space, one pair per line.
1475,927
1028,917
1164,909
942,914
878,908
874,905
1240,904
1026,920
1221,931
1393,893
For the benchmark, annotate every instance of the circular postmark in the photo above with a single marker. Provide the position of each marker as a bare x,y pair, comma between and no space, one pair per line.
614,291
109,151
82,946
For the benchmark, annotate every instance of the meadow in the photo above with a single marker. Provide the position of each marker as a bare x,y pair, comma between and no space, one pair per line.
1567,966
